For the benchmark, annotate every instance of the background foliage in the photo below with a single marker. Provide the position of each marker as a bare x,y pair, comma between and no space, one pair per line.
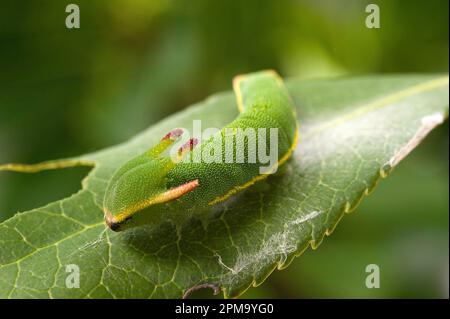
65,92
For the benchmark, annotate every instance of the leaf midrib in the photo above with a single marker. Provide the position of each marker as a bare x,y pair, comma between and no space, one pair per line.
381,103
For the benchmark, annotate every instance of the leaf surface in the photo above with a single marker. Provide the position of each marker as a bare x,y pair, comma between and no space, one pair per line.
352,132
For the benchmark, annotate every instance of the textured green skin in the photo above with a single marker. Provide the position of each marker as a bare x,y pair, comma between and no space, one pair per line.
265,104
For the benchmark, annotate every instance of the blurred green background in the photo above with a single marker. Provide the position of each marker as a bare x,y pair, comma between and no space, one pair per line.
65,92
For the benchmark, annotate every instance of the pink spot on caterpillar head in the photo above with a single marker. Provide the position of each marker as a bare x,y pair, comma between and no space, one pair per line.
188,146
173,135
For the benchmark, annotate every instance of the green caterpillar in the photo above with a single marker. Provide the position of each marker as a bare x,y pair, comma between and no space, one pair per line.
143,185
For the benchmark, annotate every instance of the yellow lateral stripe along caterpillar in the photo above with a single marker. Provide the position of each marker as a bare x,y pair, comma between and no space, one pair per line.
155,178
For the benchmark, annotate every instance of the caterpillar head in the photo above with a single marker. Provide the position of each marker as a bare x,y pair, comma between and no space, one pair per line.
142,183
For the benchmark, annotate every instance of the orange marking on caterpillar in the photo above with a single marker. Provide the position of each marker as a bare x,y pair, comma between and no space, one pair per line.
188,146
173,135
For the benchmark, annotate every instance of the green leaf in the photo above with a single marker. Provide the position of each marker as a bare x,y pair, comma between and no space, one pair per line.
353,131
